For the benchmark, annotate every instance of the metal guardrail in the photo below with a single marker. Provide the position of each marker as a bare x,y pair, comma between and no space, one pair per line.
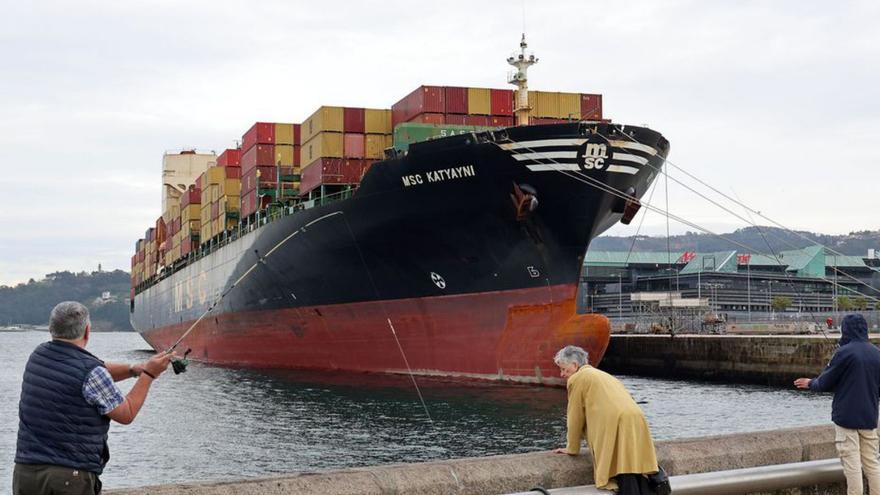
762,479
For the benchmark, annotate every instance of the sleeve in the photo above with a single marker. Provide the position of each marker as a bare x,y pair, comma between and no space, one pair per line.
829,377
100,390
575,418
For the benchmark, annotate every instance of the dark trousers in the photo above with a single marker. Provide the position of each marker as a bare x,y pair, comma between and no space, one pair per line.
42,479
633,484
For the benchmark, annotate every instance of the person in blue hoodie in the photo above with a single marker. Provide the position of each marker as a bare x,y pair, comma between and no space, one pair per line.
854,376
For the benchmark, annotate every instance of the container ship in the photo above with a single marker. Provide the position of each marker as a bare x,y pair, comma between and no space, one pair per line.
441,237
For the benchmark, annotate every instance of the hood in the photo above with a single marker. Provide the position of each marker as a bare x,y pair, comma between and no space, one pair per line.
853,329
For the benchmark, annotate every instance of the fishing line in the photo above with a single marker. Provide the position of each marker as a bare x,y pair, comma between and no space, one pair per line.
595,183
387,318
260,261
741,204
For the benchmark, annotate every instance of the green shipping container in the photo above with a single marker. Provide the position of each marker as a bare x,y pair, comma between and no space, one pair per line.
408,133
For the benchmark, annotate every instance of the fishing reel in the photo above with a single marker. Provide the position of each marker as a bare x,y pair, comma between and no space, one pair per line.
179,364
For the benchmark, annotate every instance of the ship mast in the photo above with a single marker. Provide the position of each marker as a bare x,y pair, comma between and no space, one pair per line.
520,79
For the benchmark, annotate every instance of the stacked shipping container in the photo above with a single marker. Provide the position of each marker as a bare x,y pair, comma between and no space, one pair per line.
340,144
455,105
335,145
271,151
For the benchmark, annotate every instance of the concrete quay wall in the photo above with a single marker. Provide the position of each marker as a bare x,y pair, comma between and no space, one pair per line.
762,359
521,472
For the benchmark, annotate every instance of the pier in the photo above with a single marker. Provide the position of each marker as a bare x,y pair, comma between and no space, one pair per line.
760,359
521,472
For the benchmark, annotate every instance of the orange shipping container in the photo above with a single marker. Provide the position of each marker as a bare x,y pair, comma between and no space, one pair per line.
323,145
569,106
284,155
479,101
544,104
214,175
375,146
377,121
190,213
284,134
324,119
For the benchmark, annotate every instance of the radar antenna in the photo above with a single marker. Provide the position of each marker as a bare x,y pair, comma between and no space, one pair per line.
520,79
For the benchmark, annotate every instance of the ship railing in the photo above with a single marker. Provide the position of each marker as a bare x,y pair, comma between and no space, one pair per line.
271,214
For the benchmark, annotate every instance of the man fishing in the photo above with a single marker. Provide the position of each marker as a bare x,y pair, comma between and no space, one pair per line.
68,397
854,376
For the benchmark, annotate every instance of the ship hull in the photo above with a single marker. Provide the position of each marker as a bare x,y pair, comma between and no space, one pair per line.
436,249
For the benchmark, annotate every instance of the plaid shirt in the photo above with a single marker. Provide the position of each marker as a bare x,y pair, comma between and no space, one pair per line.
100,391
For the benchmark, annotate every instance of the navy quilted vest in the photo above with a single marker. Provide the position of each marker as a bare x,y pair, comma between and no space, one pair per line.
56,425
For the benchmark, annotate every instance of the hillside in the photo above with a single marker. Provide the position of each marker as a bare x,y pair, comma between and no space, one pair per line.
854,243
31,303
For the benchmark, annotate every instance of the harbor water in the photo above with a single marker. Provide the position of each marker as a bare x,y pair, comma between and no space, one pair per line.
217,423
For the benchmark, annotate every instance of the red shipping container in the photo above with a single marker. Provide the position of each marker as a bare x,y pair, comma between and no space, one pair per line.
591,107
296,155
187,247
353,146
229,158
248,203
478,120
454,119
268,178
499,121
332,171
142,255
160,230
429,118
192,196
215,210
545,121
424,99
456,100
262,155
259,133
297,140
198,183
353,120
233,172
502,101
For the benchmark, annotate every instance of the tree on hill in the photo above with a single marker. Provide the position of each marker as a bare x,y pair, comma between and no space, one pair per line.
30,303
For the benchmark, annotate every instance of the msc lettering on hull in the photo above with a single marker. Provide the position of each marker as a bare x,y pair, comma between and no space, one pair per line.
439,175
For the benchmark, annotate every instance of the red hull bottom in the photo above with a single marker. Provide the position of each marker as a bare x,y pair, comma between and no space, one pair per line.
505,335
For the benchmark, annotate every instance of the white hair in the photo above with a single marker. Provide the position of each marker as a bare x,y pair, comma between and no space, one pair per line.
68,320
571,354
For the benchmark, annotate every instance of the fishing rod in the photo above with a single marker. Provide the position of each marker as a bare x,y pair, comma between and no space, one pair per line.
180,364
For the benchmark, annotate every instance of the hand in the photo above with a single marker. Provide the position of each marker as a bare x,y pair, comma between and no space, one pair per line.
158,363
562,450
803,383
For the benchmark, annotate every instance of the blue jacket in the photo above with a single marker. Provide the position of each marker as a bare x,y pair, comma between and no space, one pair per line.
56,424
854,376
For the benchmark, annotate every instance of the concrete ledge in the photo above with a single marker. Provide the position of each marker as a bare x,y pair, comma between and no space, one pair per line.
516,473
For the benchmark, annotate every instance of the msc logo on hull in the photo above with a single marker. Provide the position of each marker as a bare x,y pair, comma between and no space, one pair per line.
593,153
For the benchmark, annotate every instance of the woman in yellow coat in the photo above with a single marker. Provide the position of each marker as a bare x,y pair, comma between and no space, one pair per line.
601,410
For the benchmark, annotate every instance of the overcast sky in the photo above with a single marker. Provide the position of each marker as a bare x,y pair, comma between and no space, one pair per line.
775,102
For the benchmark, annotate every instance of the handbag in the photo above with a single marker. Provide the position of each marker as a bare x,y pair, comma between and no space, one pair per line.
659,482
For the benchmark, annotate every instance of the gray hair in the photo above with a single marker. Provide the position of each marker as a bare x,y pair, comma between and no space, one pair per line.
571,354
69,320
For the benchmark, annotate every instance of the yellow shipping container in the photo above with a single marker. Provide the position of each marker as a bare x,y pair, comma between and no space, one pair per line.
229,204
375,146
570,106
214,175
544,104
389,142
479,101
283,134
230,187
190,213
377,121
214,190
205,233
323,145
324,119
284,155
205,214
